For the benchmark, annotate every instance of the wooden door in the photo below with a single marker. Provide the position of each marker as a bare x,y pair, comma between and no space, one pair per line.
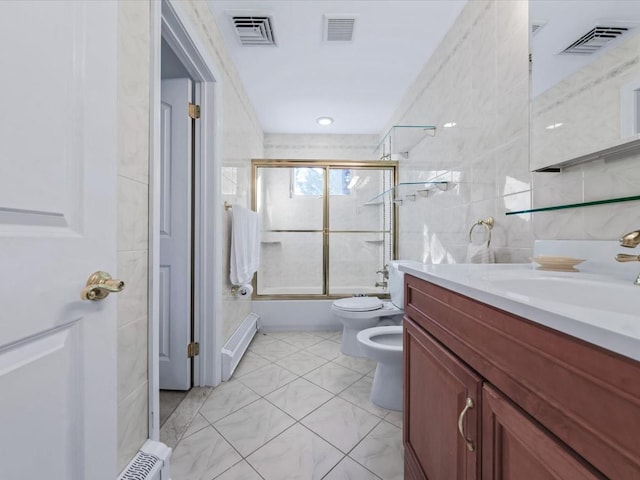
436,390
516,448
58,198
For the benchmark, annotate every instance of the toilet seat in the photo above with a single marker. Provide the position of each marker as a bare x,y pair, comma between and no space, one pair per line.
384,345
358,304
382,338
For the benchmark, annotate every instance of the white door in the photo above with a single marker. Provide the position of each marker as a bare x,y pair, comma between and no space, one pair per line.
175,234
58,160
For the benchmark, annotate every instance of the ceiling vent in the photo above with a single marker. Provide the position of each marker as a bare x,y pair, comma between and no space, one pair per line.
339,28
595,39
254,29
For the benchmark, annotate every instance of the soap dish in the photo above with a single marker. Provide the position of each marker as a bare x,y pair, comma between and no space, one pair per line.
558,264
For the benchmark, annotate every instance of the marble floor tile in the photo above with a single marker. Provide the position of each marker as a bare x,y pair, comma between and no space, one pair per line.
202,456
347,469
260,339
336,337
169,401
197,424
267,379
227,398
395,418
301,362
358,364
249,363
270,423
333,377
240,471
275,350
252,426
359,394
326,333
299,398
381,452
302,340
341,423
179,420
296,454
326,349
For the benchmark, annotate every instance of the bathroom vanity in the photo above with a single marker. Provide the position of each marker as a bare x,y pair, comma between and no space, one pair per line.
497,387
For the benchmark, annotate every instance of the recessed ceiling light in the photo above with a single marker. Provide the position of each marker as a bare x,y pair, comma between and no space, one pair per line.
324,121
449,125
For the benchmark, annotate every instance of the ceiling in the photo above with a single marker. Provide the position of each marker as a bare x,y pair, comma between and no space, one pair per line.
358,83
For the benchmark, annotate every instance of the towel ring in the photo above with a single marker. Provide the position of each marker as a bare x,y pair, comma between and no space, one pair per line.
486,223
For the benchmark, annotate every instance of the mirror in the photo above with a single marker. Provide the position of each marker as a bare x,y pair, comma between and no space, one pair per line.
585,81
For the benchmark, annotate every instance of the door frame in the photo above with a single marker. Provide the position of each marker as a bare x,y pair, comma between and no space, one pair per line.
169,20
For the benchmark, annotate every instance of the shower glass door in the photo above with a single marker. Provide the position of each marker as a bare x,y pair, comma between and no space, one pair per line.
320,236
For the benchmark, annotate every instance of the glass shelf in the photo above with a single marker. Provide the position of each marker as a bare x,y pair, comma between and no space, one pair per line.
577,205
423,192
400,139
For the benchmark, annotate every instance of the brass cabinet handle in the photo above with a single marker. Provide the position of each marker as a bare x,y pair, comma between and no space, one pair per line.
100,285
468,404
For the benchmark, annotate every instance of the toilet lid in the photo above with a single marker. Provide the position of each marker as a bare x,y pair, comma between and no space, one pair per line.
358,304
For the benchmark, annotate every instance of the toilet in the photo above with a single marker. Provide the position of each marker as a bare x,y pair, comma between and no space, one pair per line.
361,313
384,345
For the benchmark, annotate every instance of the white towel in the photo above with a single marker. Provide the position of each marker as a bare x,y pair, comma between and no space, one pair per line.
245,245
480,254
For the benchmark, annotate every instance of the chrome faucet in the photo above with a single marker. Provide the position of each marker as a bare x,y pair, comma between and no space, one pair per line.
630,240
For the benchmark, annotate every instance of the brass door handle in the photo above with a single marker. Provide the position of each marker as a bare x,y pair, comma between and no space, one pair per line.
100,285
468,404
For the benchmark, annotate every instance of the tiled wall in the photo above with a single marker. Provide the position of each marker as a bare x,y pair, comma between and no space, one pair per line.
133,181
588,105
242,140
320,147
477,79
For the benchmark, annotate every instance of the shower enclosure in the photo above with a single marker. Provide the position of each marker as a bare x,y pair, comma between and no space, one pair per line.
322,236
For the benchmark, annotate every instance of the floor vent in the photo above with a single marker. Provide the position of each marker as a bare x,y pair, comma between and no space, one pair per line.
339,28
150,463
254,30
594,40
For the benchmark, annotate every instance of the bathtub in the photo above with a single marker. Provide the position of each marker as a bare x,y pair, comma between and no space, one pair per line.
302,315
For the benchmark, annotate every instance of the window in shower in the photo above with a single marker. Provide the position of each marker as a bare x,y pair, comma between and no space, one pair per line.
320,238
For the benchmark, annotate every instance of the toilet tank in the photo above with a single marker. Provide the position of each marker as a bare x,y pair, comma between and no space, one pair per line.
396,283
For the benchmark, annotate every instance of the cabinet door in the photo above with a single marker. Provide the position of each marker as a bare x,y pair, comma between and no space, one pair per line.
516,448
436,390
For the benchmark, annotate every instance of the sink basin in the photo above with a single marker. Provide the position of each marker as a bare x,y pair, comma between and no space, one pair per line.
603,293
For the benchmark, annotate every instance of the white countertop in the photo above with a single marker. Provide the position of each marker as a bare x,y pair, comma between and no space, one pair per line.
600,309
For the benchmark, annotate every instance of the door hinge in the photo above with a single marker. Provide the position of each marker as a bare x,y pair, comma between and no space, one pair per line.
193,349
194,111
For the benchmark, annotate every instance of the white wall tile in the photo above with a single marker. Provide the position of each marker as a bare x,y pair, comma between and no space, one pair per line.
132,424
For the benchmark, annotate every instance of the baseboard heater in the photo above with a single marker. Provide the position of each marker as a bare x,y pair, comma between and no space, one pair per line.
234,349
150,463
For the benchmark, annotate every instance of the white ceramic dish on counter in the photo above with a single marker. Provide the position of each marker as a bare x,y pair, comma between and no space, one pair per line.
557,264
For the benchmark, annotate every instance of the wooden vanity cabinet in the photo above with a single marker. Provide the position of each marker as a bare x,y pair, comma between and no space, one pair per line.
545,405
438,386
